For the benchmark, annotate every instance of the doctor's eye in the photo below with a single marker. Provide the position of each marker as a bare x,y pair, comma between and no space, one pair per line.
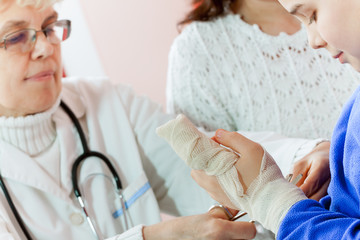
17,37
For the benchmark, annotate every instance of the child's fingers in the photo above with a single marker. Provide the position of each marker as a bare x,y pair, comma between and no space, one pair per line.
238,143
251,155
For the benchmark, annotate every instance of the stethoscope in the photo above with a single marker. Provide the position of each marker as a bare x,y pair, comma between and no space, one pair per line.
74,176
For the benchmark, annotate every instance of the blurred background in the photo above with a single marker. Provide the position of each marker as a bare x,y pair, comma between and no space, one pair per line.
128,41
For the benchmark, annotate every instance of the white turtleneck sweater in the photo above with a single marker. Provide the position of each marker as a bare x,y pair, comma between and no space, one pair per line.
228,74
35,135
32,134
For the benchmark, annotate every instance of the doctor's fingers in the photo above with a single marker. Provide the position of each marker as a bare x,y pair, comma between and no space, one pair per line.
219,227
314,187
240,144
320,192
316,176
314,167
315,179
240,230
301,167
229,229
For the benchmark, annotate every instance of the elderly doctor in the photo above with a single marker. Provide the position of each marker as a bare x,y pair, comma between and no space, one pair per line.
85,143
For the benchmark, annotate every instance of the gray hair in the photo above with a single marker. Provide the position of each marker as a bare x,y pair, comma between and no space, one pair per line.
33,3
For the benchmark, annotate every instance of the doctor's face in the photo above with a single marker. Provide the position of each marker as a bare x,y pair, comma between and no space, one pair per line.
30,78
331,24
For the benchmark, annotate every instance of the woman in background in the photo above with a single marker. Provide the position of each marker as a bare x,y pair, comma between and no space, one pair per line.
246,65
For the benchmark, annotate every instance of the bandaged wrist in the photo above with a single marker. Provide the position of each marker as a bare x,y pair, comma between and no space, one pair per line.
195,148
268,197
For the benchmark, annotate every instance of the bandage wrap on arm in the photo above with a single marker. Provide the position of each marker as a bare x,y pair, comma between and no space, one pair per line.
197,150
268,197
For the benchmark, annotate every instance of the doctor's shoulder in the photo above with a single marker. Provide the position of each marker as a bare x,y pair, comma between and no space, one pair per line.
94,87
102,91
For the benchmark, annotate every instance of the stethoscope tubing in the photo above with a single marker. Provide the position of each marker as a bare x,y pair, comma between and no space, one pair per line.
80,159
77,164
74,177
14,209
86,154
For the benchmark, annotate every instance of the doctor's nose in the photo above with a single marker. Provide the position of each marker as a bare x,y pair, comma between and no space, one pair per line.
315,40
43,48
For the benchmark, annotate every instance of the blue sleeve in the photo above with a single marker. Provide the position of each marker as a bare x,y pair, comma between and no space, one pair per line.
308,219
337,215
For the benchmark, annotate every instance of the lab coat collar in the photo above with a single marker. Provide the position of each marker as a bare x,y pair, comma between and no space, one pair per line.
19,167
74,101
68,136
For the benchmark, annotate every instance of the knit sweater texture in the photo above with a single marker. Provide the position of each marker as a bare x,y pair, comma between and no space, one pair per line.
228,74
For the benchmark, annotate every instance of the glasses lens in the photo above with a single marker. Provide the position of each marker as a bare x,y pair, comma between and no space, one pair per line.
20,41
24,40
58,31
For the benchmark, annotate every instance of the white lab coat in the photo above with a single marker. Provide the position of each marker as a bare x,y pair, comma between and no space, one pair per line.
122,126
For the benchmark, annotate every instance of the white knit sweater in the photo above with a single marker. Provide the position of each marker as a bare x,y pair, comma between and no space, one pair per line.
229,74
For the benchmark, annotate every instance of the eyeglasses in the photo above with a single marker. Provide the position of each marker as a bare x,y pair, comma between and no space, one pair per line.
24,40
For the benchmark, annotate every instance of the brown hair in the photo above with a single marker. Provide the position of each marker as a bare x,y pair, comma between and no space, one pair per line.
206,10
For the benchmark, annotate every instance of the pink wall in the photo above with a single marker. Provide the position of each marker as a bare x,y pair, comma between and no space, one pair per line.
133,38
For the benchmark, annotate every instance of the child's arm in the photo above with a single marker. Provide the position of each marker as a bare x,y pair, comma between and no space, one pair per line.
249,181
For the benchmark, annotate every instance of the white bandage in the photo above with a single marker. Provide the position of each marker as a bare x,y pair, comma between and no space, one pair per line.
268,197
197,150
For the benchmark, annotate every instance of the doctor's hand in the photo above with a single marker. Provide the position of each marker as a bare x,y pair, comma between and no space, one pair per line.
213,225
316,171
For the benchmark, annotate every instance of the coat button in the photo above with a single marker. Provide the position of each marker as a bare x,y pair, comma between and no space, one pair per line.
76,218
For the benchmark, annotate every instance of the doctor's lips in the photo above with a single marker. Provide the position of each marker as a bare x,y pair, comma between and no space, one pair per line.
41,76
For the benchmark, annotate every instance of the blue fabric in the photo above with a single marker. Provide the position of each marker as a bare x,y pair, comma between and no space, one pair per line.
132,199
337,215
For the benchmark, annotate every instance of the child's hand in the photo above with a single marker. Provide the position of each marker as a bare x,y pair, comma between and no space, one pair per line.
248,166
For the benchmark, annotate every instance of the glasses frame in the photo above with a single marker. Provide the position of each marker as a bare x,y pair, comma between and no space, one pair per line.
66,24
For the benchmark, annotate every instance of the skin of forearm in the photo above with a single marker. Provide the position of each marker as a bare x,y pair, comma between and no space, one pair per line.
171,229
212,225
